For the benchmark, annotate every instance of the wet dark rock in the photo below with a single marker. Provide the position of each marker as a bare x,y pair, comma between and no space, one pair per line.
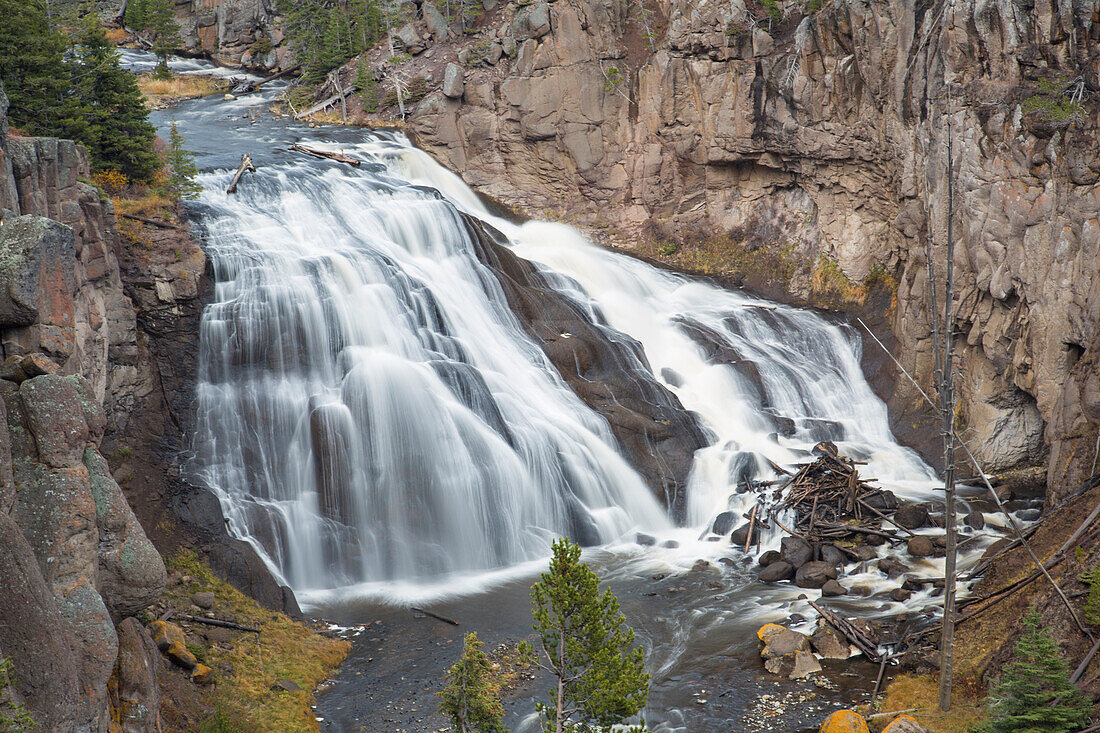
834,555
920,546
700,565
796,666
769,557
892,567
670,544
1029,515
607,370
814,574
776,572
975,520
912,516
723,523
728,562
914,584
795,551
900,595
875,540
645,540
883,500
865,552
832,589
741,535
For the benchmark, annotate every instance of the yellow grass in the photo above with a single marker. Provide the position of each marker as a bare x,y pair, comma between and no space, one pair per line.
922,692
284,650
116,36
163,92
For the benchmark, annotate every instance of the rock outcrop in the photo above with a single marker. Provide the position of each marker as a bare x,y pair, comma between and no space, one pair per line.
821,140
233,32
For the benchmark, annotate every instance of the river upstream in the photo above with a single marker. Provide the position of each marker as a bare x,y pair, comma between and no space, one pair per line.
375,419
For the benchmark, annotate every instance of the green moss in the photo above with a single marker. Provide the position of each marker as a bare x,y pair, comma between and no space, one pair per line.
1092,602
14,718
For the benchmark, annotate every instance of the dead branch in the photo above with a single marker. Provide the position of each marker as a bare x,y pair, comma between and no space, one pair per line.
246,165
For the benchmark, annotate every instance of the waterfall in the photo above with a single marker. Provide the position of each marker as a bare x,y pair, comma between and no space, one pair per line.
370,410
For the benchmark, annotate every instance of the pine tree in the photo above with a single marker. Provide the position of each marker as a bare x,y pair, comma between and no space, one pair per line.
34,73
470,698
181,168
1035,694
162,22
137,15
117,130
587,645
369,92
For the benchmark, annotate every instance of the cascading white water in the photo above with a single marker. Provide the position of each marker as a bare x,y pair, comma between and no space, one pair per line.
368,407
371,410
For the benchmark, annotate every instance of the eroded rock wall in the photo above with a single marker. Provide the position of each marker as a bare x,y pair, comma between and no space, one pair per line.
824,137
233,32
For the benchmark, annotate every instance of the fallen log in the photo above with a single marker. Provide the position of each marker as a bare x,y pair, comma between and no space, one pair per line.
279,75
339,157
218,622
326,103
154,222
246,165
436,616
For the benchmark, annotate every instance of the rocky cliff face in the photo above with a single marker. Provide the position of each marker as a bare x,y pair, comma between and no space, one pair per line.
821,139
233,32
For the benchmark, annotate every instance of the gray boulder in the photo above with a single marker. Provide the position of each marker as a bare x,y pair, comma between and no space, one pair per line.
454,81
776,572
912,516
814,574
531,21
796,551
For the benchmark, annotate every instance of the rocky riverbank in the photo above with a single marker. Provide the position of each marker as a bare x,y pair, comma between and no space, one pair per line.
97,326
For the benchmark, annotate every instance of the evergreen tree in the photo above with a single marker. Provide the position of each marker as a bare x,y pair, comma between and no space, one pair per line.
117,130
369,92
1035,694
34,73
470,698
166,32
137,15
181,168
587,645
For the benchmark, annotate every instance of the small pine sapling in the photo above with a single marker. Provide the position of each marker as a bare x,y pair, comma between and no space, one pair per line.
1035,694
181,168
471,698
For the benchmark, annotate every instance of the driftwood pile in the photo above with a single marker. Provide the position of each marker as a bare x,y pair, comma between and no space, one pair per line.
832,502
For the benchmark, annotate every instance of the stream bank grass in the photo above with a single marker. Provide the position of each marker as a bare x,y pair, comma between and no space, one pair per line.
160,93
922,692
247,666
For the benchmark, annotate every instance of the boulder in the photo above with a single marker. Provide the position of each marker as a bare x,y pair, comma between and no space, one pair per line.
832,589
12,369
975,520
769,557
723,523
865,552
920,546
454,81
36,364
900,595
437,24
286,686
905,724
700,564
164,634
645,540
883,500
833,555
51,406
844,721
45,669
814,574
796,666
203,599
912,516
670,544
179,655
741,535
776,572
828,643
409,39
202,675
796,551
783,642
531,21
135,696
131,572
892,567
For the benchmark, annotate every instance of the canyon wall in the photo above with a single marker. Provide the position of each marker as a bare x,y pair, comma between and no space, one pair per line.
820,139
233,32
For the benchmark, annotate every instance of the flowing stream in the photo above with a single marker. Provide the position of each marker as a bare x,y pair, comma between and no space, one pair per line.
377,422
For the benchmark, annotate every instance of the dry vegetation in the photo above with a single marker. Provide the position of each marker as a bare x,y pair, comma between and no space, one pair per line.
248,665
922,692
160,93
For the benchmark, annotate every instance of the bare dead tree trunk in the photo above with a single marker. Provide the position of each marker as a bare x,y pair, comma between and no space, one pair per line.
947,406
